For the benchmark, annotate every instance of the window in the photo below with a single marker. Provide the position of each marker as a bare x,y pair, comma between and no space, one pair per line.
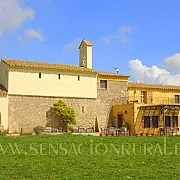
39,75
59,76
103,84
175,121
82,109
146,121
155,121
143,97
167,121
78,78
176,98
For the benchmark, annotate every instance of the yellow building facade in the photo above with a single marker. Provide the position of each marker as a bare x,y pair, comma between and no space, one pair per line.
151,109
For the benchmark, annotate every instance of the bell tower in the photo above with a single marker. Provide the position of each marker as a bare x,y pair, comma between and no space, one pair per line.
85,54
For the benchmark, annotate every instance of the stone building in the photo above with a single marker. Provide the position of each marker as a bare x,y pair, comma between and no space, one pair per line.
28,90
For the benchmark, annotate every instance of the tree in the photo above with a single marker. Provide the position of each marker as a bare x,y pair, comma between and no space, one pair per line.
64,113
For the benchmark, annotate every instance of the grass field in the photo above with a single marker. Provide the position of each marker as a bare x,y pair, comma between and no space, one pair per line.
88,157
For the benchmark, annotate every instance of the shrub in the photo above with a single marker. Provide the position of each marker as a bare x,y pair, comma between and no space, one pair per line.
38,128
65,114
126,125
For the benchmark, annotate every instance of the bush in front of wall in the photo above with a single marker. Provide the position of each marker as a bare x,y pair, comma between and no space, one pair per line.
38,129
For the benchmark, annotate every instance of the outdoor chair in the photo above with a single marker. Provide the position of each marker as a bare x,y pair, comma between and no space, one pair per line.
81,130
124,131
56,130
52,130
75,129
89,130
47,129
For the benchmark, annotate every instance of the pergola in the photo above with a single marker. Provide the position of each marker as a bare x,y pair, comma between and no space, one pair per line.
164,110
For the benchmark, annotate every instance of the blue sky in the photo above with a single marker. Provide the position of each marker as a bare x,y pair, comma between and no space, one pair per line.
141,37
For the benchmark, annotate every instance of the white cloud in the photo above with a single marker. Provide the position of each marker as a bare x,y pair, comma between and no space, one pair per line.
125,30
123,38
172,63
73,45
122,35
32,34
12,15
154,74
106,39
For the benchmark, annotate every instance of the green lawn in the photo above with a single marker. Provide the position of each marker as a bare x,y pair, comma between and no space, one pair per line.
88,157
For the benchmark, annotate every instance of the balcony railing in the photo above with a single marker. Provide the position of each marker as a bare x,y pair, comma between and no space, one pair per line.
154,100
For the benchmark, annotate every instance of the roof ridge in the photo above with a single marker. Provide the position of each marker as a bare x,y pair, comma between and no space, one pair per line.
28,64
111,74
43,62
154,86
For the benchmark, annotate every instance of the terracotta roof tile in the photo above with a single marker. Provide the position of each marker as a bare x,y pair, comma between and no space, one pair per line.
23,64
88,42
153,86
3,90
111,74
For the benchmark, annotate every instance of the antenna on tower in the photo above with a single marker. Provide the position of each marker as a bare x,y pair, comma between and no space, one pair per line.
117,69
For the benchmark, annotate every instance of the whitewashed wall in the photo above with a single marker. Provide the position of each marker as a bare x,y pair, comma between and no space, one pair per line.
27,82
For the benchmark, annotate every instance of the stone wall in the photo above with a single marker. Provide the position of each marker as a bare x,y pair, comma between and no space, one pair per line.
26,112
116,93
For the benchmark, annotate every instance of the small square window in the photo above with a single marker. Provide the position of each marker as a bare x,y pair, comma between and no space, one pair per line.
59,76
39,75
79,78
103,84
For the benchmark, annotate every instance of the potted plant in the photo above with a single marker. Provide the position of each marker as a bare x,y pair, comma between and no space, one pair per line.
38,130
126,126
